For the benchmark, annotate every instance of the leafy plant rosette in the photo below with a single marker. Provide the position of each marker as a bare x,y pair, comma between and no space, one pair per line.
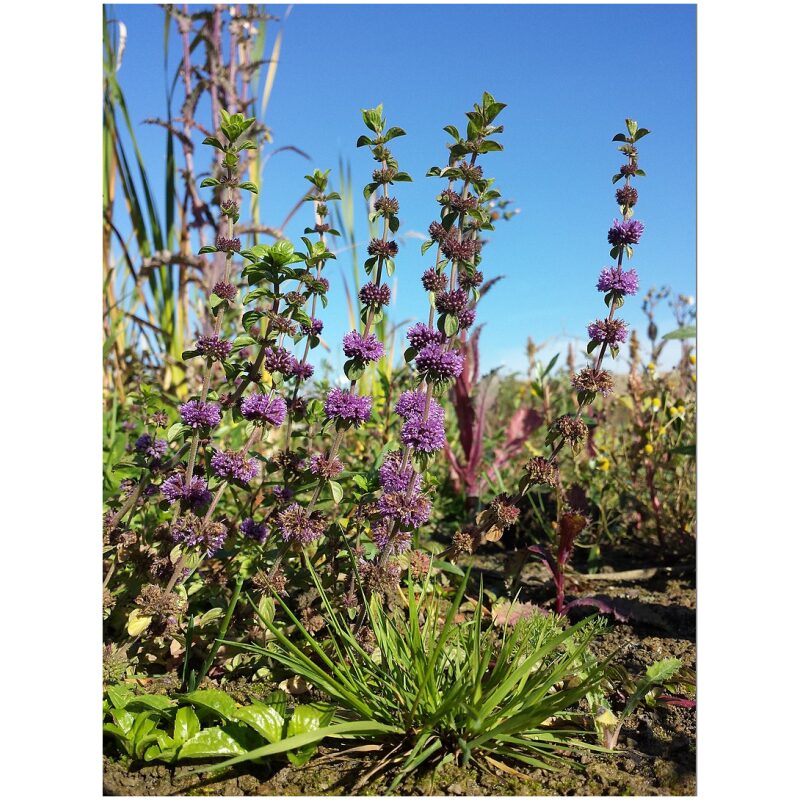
432,686
207,724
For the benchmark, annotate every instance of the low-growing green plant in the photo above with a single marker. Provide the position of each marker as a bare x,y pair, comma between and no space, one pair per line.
608,725
431,687
206,724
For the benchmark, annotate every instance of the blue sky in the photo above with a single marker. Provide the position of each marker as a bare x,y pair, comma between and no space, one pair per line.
569,74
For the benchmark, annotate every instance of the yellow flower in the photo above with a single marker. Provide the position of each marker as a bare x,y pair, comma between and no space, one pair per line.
681,409
603,464
651,366
648,448
673,411
692,359
656,403
694,377
662,430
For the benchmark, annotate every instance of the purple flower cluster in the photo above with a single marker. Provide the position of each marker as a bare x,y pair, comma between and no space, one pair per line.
254,530
436,364
228,245
295,525
195,493
466,318
363,348
282,493
425,435
199,414
227,291
421,334
375,296
470,281
629,231
396,478
323,468
351,409
262,409
381,535
214,347
235,466
278,359
433,281
150,447
451,302
410,510
615,279
301,369
377,247
610,331
190,531
314,328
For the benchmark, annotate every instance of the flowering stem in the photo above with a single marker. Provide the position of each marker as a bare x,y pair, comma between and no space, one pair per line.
217,328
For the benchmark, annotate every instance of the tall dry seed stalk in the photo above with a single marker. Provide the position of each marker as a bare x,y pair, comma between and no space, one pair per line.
153,283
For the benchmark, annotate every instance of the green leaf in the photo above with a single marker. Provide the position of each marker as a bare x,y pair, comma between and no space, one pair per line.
153,702
214,142
209,182
365,729
209,248
687,332
119,696
305,720
393,133
336,491
451,324
362,140
249,186
210,743
213,700
187,725
174,431
265,720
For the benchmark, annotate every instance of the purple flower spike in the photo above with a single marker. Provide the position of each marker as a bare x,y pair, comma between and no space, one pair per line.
197,414
301,370
253,530
363,348
262,409
427,436
613,331
615,279
153,448
196,494
628,231
411,512
213,347
234,466
313,329
352,409
421,334
295,525
375,296
436,364
395,479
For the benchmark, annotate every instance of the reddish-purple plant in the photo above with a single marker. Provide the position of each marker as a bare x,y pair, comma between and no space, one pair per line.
472,400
